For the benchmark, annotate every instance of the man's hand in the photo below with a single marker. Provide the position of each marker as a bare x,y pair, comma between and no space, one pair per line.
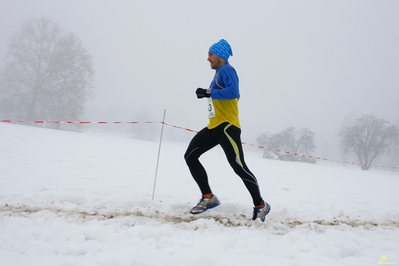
201,93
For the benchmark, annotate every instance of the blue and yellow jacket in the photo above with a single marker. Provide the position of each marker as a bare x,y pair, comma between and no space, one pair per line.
224,96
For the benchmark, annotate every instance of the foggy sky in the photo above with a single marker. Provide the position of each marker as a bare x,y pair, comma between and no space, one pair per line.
315,64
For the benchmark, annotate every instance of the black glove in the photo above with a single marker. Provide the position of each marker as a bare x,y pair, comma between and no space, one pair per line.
201,93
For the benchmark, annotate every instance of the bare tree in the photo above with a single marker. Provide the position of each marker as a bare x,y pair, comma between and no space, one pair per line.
289,144
369,138
47,75
71,74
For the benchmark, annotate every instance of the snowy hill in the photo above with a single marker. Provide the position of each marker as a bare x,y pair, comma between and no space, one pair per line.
86,199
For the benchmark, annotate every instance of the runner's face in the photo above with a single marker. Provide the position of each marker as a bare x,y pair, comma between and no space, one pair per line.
215,61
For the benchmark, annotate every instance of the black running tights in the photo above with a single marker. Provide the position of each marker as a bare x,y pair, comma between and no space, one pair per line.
228,136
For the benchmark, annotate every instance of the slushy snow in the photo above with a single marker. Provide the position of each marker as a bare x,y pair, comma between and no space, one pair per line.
70,198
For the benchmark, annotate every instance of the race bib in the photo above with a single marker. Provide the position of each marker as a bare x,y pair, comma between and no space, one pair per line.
211,108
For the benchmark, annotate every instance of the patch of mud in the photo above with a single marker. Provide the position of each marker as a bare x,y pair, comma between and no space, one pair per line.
142,216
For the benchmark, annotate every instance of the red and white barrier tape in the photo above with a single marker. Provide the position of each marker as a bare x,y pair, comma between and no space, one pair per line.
72,122
93,123
184,128
187,129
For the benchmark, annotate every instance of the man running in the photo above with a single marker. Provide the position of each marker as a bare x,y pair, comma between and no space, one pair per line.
223,129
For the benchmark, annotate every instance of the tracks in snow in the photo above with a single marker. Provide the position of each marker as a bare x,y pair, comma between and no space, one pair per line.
152,216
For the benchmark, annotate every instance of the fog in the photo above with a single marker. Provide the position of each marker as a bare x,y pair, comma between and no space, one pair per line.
315,64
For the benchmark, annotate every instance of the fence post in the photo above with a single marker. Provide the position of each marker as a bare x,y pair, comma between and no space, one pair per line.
159,152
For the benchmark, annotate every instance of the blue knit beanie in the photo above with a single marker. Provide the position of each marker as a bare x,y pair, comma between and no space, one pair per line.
222,49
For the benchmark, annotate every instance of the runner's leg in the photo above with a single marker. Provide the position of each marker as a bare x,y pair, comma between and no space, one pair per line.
201,143
229,138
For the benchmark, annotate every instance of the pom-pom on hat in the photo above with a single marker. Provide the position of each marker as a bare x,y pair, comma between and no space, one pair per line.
222,49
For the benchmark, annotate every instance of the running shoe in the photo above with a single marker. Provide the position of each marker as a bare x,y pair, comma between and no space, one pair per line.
261,212
205,204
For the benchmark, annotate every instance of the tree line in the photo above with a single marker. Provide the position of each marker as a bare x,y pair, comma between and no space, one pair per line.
368,138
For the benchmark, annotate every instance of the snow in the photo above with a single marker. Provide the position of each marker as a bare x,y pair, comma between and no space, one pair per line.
70,198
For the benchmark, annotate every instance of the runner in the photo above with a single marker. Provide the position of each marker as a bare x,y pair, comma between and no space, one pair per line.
223,129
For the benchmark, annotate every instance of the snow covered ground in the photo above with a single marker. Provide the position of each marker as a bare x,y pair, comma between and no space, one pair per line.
71,198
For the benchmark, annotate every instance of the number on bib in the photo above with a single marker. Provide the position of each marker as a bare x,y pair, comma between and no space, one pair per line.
211,108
